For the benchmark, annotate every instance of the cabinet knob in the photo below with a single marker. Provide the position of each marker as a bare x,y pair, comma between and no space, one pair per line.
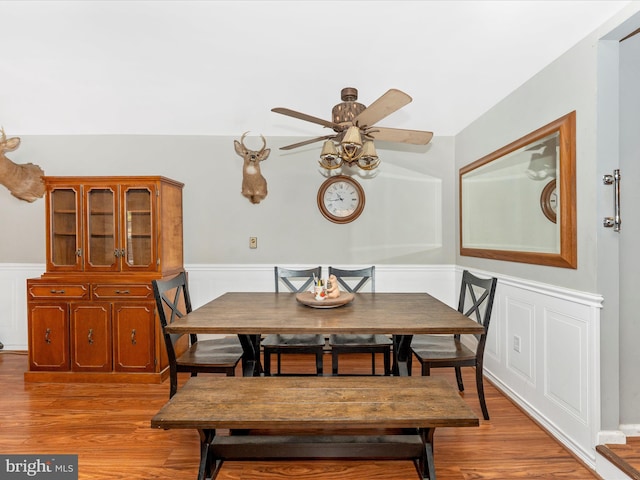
90,336
47,335
56,291
123,292
133,337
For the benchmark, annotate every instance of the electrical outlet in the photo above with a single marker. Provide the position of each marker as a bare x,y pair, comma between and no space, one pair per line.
253,242
516,343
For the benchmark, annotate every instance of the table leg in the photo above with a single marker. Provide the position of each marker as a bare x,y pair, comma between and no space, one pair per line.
401,355
251,359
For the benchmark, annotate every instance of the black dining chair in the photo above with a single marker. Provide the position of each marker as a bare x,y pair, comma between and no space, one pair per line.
353,281
434,351
296,281
186,353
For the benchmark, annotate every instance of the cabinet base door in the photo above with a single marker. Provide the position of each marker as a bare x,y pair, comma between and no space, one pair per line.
91,337
134,337
49,337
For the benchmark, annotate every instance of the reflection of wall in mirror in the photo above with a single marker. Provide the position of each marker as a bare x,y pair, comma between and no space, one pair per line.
501,202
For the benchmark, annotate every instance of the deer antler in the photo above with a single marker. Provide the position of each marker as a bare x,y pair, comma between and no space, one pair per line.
264,142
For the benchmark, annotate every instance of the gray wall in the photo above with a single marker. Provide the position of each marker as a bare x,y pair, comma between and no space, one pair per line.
407,217
630,232
567,84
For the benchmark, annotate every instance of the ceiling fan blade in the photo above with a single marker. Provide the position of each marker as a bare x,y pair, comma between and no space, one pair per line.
308,118
384,106
306,142
414,137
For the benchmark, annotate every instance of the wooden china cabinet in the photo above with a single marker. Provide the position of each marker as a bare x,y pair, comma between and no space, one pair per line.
92,313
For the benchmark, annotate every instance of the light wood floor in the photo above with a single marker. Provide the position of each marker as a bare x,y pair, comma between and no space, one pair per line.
108,427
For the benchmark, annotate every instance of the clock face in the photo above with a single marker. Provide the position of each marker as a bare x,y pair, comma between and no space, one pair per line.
549,201
341,199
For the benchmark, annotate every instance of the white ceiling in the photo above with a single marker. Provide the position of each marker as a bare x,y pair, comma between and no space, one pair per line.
218,67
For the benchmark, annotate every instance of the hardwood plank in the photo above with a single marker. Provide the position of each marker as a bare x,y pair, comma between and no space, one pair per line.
107,425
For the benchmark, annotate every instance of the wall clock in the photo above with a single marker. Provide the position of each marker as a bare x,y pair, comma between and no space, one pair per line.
549,201
341,199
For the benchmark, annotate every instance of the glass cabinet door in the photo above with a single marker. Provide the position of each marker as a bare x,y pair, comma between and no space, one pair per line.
101,232
138,229
64,236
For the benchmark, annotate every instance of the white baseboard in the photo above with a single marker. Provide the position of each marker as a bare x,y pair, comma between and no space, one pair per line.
630,429
617,437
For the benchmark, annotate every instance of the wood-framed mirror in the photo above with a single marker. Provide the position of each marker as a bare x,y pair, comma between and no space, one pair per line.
519,202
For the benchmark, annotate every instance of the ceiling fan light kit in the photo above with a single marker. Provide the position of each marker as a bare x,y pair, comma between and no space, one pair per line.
352,150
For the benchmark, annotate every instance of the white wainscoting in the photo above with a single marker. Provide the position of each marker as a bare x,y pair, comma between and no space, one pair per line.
13,303
554,376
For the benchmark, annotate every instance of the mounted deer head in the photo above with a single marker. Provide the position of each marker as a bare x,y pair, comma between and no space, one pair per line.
23,181
254,185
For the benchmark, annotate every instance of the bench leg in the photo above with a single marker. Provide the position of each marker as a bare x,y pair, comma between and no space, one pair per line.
207,470
425,465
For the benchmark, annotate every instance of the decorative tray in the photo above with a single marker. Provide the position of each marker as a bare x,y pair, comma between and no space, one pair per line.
309,299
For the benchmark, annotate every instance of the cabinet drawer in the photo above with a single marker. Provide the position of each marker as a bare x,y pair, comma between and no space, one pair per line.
141,290
58,290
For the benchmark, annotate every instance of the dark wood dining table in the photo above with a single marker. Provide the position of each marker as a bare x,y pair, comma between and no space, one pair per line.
252,314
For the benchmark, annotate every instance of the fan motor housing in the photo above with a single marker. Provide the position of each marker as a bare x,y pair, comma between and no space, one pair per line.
349,108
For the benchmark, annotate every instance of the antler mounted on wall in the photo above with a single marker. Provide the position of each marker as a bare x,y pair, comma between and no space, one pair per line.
23,181
254,185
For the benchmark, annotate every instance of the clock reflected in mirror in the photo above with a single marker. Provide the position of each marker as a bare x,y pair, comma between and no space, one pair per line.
341,199
549,201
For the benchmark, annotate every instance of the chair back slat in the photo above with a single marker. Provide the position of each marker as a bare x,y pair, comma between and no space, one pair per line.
364,275
476,299
172,302
302,278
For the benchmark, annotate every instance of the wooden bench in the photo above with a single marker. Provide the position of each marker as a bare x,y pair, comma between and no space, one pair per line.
316,417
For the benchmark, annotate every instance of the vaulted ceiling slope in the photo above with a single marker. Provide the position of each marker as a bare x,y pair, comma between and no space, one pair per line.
218,67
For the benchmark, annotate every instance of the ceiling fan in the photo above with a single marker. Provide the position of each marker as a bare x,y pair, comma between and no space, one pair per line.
350,113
